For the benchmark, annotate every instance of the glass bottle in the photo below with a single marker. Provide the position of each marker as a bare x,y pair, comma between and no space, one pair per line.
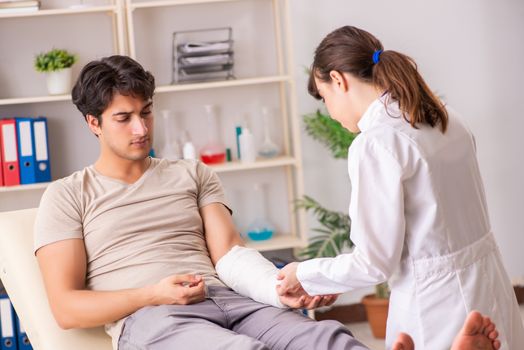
170,149
268,149
214,151
260,228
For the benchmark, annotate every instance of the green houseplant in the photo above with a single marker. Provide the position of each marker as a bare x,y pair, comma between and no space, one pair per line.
333,237
57,65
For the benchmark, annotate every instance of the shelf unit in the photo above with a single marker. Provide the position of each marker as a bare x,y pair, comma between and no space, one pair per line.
123,30
282,81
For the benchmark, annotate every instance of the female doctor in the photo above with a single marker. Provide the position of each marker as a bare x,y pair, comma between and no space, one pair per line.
418,209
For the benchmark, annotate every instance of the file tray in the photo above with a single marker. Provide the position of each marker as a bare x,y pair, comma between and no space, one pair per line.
201,55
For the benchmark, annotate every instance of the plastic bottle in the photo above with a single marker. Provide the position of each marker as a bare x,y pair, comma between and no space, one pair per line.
170,149
247,146
238,132
214,151
188,149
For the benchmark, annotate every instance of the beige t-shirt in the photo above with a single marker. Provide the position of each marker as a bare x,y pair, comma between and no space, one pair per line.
134,234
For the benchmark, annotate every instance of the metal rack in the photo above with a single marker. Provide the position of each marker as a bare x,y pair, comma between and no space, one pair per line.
203,55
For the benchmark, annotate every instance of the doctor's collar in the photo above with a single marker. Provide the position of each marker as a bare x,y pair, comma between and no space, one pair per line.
366,121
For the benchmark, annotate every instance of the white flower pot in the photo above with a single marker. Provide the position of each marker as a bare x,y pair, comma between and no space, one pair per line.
59,82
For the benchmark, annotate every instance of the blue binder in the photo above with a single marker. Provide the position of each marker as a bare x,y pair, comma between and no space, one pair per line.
9,341
41,148
23,340
26,154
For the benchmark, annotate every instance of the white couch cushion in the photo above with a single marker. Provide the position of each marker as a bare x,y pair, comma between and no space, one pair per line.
22,280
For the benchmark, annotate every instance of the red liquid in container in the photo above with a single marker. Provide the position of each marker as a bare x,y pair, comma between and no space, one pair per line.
216,158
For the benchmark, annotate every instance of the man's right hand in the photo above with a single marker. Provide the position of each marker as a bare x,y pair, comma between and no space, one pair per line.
178,289
304,301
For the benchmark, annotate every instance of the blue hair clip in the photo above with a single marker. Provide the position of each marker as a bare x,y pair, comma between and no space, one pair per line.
376,56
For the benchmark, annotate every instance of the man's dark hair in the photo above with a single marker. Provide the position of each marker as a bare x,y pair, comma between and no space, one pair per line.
100,80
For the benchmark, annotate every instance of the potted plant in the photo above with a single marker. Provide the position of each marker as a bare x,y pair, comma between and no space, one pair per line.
377,306
57,66
333,238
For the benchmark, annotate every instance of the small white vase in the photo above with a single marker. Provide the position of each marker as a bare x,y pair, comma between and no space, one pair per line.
59,82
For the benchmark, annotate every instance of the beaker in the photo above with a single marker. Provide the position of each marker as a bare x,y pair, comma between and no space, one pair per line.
170,149
214,151
268,149
260,228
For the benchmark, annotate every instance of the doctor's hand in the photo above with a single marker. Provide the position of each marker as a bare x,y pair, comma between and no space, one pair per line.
293,295
289,283
178,289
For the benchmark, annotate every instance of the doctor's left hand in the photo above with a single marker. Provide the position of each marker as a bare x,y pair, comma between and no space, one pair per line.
289,283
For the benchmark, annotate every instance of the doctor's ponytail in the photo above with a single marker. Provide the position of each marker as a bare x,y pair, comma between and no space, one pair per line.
357,52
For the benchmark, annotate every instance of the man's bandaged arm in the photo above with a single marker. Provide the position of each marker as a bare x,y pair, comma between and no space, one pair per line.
248,273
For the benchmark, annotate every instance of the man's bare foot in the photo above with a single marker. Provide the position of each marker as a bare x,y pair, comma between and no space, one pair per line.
478,333
403,342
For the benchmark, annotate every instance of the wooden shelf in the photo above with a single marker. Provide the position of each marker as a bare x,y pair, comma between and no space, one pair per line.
277,242
221,168
165,3
37,99
223,84
62,11
19,188
258,164
159,89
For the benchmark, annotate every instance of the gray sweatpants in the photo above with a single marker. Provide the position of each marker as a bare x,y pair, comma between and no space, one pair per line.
228,321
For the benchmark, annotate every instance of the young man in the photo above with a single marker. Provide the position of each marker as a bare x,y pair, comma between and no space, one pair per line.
132,242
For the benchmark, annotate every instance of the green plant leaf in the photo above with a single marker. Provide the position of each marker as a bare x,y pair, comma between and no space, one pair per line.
330,240
330,219
54,60
329,132
382,290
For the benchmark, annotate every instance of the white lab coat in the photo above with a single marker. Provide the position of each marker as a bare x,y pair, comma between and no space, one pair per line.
419,219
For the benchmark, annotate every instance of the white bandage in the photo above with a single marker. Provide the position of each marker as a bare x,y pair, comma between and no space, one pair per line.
248,273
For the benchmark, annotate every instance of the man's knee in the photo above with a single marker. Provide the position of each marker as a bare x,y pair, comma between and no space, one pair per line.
334,335
242,342
332,328
329,334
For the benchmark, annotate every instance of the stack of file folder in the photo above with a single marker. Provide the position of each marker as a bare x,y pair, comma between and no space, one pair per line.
12,333
201,60
24,151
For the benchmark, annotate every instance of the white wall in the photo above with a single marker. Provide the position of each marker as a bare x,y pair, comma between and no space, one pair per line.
471,52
